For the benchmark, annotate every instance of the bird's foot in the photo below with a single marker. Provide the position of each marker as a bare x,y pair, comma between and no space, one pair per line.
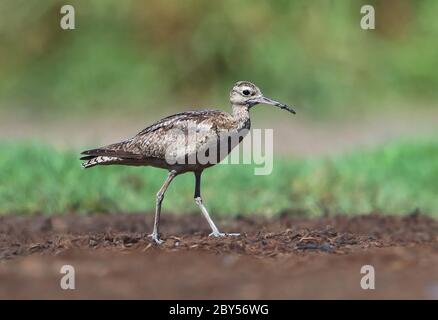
156,238
222,234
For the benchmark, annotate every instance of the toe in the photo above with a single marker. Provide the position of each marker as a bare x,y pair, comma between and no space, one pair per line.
158,241
155,238
216,234
221,234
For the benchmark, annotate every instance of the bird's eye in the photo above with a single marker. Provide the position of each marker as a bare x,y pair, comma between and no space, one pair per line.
246,92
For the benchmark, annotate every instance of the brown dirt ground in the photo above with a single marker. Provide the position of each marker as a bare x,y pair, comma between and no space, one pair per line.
282,258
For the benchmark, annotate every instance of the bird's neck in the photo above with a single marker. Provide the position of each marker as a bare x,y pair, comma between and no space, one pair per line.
241,116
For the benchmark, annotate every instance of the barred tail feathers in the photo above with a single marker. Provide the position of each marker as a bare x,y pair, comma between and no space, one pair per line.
99,160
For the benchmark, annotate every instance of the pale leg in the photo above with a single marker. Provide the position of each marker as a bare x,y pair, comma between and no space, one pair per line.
215,231
160,196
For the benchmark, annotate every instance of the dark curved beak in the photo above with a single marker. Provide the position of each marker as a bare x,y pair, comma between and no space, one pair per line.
265,100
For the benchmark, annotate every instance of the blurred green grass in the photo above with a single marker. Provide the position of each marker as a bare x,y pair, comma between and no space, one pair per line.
129,56
396,178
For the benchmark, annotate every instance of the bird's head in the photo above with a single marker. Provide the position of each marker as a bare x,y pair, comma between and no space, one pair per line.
245,93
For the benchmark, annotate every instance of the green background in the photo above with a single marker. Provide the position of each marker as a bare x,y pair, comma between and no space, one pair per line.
142,59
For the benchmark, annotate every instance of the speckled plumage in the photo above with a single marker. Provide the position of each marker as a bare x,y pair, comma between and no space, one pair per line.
150,145
176,143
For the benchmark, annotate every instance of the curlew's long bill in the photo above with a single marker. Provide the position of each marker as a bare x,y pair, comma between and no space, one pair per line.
167,144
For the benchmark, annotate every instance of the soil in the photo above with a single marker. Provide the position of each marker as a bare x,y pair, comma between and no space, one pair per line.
287,257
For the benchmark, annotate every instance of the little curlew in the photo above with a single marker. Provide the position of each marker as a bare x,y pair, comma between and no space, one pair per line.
176,142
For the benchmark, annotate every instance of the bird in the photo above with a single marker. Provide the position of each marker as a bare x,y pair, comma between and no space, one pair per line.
176,143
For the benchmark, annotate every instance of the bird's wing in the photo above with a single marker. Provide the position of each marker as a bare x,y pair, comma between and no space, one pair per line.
178,120
154,141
